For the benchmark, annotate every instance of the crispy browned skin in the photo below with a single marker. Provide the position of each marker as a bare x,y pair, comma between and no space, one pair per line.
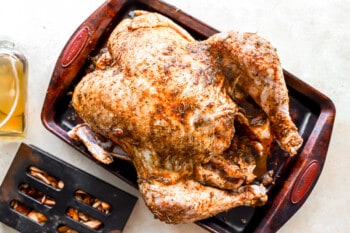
170,103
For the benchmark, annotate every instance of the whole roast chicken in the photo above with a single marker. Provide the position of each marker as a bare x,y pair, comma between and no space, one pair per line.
196,118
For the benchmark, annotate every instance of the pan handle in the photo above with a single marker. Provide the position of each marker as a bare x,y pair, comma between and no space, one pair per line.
304,174
73,55
87,34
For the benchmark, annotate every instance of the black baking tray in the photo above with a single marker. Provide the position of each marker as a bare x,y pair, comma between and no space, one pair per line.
295,177
74,179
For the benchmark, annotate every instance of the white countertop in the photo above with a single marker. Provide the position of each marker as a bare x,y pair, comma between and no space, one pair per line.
312,38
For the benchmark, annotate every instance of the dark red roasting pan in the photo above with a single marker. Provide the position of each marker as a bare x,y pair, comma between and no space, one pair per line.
295,177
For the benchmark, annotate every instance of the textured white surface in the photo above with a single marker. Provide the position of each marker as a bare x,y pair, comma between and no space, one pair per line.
312,38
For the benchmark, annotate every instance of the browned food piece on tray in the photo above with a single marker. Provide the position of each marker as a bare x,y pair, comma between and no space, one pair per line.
196,118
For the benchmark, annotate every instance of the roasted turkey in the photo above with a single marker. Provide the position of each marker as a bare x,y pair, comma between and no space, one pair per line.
196,118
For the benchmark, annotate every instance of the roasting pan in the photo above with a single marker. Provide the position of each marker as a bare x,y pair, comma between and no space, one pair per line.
295,177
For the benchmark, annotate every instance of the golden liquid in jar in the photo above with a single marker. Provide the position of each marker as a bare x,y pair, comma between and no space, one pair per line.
15,126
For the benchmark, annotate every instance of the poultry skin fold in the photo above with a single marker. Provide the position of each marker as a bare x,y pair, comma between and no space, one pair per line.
196,118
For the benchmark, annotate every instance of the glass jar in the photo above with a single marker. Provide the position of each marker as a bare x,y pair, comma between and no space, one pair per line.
13,91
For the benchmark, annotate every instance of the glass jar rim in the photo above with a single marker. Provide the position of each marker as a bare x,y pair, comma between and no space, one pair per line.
4,43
